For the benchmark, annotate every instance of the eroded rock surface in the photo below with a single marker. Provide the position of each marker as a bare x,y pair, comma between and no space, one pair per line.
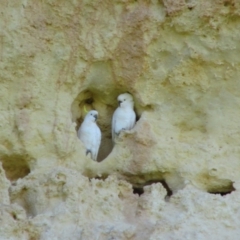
180,61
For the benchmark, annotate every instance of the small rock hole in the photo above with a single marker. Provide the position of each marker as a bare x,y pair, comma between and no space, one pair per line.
15,167
224,191
139,189
14,216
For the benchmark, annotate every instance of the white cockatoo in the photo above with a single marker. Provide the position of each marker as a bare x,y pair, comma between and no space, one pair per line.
124,117
90,134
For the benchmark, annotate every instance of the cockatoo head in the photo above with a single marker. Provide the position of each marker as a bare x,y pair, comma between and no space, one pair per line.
125,100
92,116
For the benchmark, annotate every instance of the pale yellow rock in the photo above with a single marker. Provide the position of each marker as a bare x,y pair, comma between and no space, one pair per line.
61,207
5,184
15,225
180,61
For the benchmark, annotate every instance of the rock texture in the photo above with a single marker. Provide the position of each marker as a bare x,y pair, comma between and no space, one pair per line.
180,61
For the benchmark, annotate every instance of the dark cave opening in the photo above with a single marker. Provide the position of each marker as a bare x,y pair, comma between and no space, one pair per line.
93,100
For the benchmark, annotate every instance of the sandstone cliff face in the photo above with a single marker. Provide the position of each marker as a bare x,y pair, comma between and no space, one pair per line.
180,61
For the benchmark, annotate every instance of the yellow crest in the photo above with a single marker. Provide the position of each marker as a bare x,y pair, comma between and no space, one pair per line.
85,110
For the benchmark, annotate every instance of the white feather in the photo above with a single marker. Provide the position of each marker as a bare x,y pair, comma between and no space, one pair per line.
90,134
124,117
